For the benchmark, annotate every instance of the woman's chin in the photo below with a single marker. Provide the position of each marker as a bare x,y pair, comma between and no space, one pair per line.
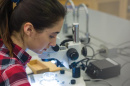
39,52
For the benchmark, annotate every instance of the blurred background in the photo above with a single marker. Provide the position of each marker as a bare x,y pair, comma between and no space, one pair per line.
119,8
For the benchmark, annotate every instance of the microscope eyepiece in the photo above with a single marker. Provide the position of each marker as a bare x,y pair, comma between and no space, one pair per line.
55,48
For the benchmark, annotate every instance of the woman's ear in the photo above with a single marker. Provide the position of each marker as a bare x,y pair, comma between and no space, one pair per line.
28,28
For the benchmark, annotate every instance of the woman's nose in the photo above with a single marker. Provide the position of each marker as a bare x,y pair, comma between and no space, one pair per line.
53,42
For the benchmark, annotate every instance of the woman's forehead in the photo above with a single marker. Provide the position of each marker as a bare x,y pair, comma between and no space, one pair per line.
52,31
56,28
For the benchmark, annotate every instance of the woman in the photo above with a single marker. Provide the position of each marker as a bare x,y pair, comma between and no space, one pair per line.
32,24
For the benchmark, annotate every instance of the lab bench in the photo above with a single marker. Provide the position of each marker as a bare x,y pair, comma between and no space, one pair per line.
107,30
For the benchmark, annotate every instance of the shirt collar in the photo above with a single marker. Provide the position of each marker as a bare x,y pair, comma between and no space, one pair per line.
21,54
18,52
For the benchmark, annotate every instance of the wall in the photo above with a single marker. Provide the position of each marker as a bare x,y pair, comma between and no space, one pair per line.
120,8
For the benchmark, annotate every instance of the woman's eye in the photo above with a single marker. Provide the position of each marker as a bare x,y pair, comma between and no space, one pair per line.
52,37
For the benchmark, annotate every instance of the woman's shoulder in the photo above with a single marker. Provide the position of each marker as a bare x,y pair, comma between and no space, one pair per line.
13,71
8,63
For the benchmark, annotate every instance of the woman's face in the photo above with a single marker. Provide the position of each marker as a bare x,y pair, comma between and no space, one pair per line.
39,42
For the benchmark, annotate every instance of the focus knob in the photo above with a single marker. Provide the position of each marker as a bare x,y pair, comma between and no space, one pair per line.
72,54
62,71
73,81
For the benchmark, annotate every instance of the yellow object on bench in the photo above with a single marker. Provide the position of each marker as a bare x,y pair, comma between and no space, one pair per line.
37,66
40,67
52,67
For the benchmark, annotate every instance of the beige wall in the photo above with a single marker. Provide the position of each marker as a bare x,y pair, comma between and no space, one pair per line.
115,7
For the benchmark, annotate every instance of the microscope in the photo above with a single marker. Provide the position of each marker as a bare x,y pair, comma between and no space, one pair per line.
69,52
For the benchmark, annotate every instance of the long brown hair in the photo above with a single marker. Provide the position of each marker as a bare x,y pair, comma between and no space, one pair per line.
6,8
41,13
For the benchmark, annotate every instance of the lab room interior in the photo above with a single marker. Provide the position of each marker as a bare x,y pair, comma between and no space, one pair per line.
92,48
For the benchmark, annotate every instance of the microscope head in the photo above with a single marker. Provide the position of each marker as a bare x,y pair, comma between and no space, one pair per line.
68,53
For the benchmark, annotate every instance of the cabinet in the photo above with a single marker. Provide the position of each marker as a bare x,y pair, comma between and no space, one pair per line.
114,7
128,11
77,2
